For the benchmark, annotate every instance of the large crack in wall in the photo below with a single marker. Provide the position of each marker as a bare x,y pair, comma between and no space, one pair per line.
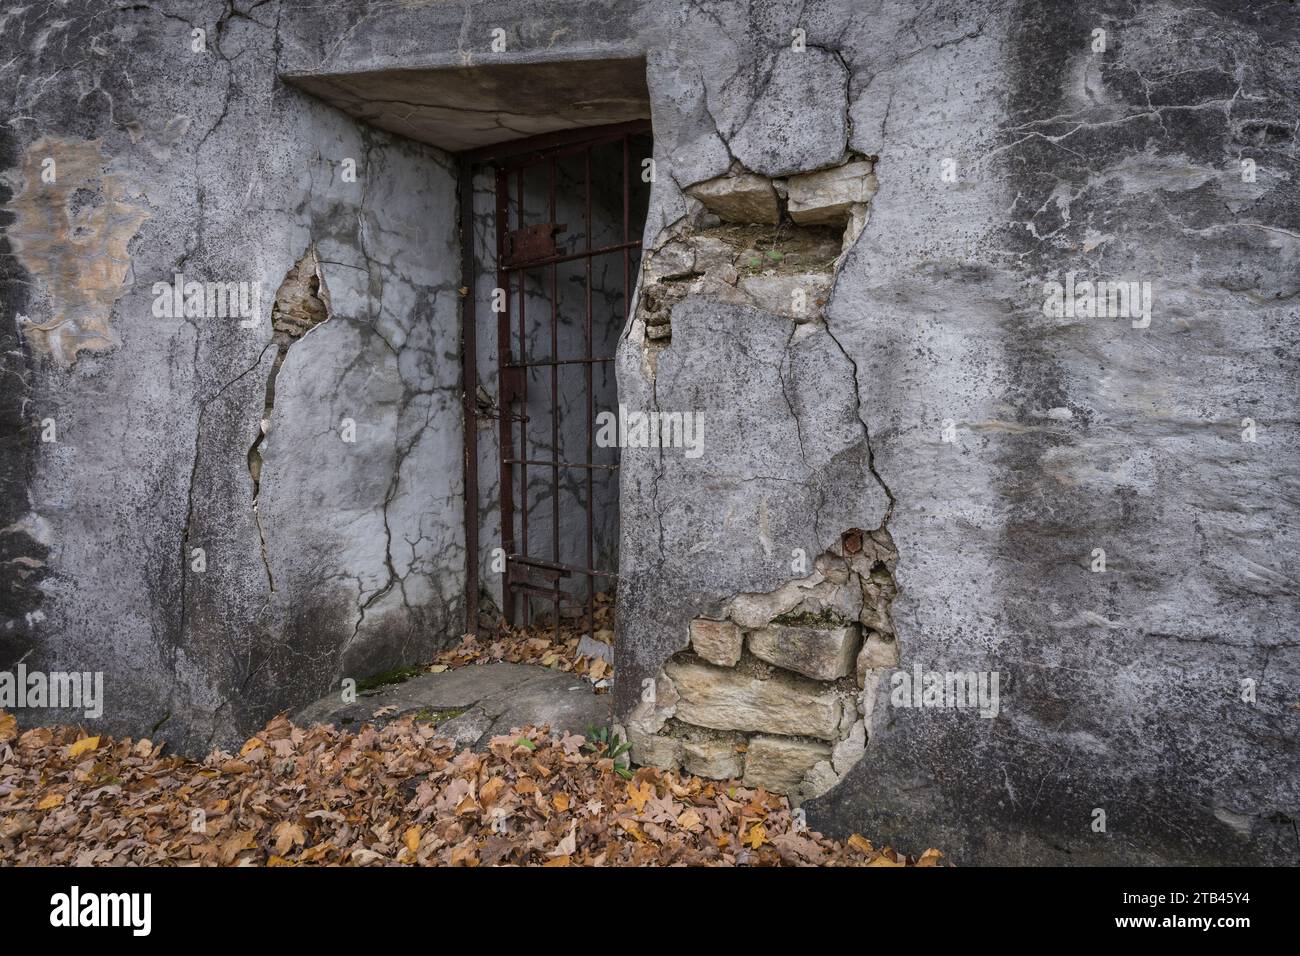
301,304
779,689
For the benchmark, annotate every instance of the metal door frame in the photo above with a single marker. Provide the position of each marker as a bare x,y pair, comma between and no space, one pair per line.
518,251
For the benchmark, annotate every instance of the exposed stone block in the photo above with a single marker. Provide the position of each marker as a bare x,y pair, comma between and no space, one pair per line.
724,699
800,297
779,764
739,197
831,196
714,759
876,651
828,197
822,653
718,642
655,750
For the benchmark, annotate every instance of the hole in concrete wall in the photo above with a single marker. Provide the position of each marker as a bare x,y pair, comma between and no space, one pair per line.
780,691
774,244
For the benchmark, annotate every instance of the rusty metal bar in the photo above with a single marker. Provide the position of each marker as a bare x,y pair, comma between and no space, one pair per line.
559,566
555,401
469,389
523,427
548,462
623,247
588,347
541,363
505,428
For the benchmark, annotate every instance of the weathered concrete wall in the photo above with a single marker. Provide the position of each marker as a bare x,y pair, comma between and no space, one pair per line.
998,445
173,160
1121,691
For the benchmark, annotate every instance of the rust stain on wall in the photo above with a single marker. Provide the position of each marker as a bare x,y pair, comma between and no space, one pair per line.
72,235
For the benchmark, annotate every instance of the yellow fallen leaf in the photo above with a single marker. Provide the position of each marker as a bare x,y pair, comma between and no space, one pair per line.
82,746
250,745
438,668
560,801
757,836
50,801
690,820
884,861
557,861
930,857
412,839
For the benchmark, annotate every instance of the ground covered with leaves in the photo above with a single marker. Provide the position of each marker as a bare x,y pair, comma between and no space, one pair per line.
396,795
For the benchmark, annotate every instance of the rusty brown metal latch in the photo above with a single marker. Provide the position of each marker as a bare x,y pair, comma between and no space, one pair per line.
532,243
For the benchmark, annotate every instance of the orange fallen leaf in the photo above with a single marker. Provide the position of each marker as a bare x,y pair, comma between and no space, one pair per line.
560,801
412,839
883,860
639,795
8,726
861,844
50,801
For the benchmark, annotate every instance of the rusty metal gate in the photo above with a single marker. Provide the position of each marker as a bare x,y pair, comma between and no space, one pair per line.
532,245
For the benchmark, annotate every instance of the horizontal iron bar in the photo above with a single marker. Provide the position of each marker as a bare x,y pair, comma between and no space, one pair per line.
556,566
548,364
547,463
552,595
603,250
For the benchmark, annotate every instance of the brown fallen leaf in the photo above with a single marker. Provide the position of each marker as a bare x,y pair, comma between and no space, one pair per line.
8,727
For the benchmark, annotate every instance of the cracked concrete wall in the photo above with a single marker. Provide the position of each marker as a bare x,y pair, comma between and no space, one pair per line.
131,542
999,446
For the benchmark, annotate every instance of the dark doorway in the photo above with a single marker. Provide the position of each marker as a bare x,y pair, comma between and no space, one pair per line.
555,241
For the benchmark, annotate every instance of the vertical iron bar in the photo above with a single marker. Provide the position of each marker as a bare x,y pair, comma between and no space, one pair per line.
555,404
505,427
469,389
591,418
523,400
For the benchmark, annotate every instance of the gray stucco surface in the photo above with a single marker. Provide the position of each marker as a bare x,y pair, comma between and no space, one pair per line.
1121,691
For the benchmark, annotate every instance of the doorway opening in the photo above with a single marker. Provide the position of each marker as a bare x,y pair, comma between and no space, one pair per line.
552,231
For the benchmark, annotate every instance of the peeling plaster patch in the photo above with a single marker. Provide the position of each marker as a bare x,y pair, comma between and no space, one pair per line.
72,236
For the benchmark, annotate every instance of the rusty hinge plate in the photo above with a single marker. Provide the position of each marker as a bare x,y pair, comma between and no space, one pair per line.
532,243
512,383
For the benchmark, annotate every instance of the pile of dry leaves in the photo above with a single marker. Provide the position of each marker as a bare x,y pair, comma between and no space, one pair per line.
532,646
398,795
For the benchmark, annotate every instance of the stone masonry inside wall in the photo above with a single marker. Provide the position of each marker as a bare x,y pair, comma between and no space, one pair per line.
779,692
770,243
